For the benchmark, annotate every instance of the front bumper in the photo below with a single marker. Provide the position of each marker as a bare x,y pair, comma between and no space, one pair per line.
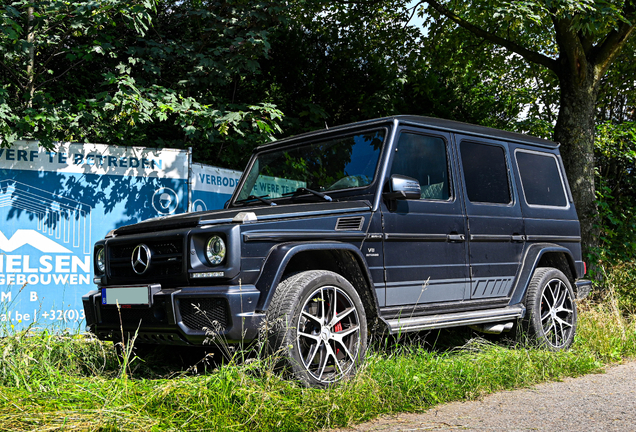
181,316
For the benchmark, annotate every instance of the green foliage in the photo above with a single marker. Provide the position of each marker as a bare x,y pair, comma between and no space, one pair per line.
613,260
606,326
620,286
338,63
460,77
42,43
341,62
616,191
335,63
617,98
137,73
588,16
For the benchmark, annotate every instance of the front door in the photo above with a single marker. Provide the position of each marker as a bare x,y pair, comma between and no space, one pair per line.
425,252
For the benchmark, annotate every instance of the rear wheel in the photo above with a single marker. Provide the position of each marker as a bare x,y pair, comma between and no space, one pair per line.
317,323
551,310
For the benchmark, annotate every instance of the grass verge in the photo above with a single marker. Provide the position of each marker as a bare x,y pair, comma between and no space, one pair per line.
50,382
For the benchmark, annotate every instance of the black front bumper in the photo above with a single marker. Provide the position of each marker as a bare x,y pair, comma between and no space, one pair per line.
181,316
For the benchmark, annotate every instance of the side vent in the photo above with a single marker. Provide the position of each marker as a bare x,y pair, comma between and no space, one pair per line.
350,223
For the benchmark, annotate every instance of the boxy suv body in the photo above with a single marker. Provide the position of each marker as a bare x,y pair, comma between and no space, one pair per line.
406,223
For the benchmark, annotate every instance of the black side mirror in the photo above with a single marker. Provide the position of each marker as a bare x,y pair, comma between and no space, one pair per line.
403,187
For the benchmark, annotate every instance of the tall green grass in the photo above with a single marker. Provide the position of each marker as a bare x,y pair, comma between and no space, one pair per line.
52,381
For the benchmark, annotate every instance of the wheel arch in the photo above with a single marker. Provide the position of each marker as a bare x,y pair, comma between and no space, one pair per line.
543,255
341,258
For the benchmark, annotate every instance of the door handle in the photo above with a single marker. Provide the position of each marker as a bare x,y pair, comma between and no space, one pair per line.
518,238
456,237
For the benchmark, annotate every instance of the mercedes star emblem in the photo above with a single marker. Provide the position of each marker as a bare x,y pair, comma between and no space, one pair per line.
140,259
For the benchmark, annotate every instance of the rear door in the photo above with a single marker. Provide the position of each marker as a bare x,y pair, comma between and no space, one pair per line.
495,224
425,254
546,202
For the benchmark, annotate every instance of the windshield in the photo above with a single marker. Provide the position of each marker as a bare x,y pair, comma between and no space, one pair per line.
340,163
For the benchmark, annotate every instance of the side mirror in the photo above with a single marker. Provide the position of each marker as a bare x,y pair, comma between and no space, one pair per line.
403,187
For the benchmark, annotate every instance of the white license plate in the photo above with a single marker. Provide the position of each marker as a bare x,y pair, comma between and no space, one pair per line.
133,295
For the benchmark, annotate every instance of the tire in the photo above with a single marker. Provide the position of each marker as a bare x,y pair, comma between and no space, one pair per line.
302,327
550,309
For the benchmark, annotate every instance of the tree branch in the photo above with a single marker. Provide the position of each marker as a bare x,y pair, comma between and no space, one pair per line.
527,54
60,75
15,78
605,52
413,13
58,50
544,102
572,52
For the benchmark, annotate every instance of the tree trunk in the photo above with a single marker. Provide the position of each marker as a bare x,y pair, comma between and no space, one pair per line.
574,130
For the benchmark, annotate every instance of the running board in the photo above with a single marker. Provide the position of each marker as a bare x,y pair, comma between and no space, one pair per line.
405,324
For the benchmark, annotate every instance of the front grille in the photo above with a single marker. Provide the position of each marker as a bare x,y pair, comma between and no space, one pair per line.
128,316
167,258
205,314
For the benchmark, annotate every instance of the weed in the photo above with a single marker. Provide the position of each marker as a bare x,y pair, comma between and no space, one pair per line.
62,381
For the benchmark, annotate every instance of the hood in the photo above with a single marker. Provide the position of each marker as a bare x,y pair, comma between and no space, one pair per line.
262,213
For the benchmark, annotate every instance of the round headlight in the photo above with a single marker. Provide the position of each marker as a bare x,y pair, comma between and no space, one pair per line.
215,250
99,259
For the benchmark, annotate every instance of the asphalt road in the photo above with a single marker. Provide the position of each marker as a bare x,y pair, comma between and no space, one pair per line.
599,402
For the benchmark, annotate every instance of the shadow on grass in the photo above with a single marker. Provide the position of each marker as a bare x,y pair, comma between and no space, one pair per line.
439,341
162,362
148,361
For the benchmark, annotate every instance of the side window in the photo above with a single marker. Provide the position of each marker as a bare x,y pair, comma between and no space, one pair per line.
540,179
423,158
485,173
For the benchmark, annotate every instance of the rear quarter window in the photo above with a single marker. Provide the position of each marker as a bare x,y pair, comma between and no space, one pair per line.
541,179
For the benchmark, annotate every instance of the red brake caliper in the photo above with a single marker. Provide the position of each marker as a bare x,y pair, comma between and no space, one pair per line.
337,328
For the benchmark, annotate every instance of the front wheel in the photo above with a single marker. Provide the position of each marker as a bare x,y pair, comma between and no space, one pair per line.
551,310
317,323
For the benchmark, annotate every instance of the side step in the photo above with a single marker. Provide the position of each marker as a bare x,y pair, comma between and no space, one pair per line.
407,324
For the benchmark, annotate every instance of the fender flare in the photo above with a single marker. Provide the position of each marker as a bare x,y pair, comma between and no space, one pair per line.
280,255
531,260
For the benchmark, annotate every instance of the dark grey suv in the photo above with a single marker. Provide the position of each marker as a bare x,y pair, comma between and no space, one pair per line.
403,223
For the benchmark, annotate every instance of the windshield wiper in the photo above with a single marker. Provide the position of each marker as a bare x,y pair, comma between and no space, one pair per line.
254,197
305,190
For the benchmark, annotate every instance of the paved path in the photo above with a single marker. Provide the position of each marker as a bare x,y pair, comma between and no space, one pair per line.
599,402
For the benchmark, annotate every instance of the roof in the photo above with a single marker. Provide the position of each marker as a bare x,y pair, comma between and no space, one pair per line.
429,122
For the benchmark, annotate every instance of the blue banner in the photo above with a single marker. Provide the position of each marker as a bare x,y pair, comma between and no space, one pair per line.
55,204
211,186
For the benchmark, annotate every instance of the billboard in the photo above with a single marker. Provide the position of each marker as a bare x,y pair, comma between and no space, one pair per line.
211,186
55,203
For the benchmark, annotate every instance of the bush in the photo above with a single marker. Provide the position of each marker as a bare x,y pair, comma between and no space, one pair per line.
615,152
617,284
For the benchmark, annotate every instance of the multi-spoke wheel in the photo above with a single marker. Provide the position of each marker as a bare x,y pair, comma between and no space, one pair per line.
551,310
316,321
